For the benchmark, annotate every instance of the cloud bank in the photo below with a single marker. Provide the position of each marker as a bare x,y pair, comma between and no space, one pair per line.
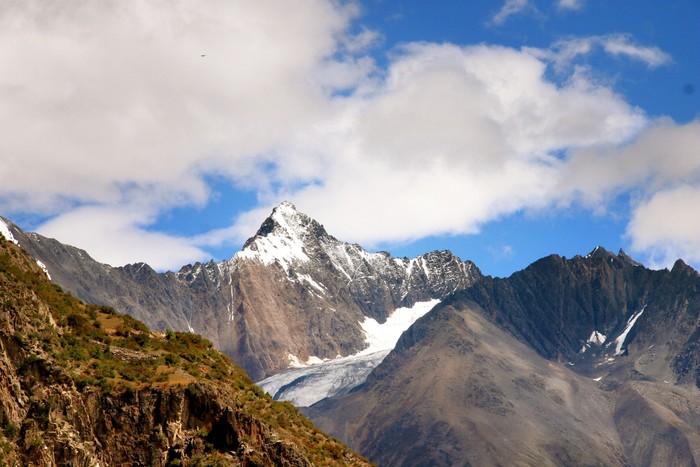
116,112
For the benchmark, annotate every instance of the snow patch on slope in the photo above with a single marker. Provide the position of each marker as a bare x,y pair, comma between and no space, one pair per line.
5,231
630,323
309,382
43,267
312,282
384,336
275,249
596,338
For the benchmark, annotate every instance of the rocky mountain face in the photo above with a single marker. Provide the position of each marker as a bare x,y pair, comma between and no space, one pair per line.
293,292
83,385
592,360
586,361
601,311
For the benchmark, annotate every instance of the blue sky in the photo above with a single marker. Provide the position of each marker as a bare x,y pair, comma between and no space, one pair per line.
501,130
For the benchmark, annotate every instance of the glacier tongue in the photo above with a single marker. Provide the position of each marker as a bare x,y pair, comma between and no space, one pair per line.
306,385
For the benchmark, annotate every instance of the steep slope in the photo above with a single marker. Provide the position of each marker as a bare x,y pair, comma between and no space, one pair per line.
293,293
459,391
81,385
587,361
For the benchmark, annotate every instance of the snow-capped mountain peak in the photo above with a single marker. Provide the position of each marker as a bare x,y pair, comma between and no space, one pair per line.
282,237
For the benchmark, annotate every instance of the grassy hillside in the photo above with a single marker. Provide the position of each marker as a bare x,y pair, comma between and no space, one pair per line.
83,383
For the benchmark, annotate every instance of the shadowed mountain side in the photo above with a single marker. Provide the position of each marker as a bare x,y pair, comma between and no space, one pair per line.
592,360
603,314
458,391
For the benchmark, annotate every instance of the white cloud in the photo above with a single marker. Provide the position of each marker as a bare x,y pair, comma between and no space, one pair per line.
564,52
501,252
111,107
621,45
661,169
509,8
664,155
118,235
666,227
99,95
481,146
106,101
570,4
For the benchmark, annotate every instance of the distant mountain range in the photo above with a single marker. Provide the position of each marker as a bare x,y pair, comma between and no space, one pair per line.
593,360
293,293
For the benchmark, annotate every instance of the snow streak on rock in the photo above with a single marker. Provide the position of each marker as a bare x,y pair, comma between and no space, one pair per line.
597,338
5,232
619,342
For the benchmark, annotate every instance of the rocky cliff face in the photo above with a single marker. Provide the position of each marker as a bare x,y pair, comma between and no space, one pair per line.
82,385
586,361
292,293
602,314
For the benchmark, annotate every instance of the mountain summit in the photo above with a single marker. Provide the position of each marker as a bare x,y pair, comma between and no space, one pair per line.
286,236
294,293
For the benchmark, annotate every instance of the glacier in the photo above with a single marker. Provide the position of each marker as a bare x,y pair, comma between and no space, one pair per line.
306,384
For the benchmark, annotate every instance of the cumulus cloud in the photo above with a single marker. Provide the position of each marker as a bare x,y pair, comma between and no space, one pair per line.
104,101
119,235
115,112
482,145
664,155
97,95
661,169
665,227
